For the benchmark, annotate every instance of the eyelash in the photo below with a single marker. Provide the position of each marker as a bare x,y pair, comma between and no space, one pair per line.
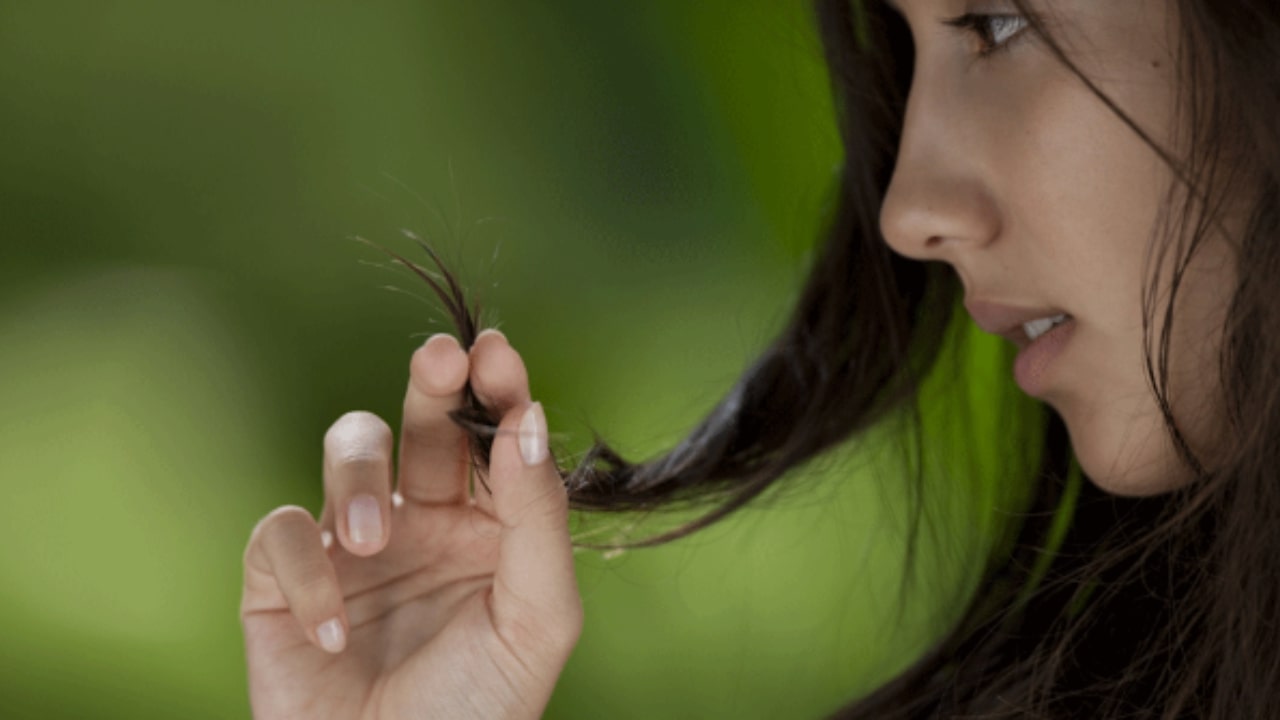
980,25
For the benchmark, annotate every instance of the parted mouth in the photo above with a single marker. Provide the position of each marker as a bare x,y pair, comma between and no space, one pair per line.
1036,328
1021,325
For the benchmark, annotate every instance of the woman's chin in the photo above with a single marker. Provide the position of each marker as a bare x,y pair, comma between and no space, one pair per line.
1138,463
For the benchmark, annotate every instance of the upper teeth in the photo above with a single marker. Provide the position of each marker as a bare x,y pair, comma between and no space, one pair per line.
1036,328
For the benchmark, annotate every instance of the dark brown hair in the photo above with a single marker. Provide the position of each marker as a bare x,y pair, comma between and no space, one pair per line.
1094,605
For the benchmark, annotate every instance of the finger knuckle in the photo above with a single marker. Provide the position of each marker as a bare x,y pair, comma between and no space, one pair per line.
280,519
314,585
308,583
288,525
288,516
549,508
362,464
279,522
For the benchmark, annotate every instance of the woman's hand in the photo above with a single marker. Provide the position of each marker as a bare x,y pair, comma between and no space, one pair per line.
428,604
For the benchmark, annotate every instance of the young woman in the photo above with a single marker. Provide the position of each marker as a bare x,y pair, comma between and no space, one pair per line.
1095,181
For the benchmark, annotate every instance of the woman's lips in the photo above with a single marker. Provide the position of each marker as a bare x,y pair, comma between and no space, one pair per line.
1031,367
1035,356
1007,320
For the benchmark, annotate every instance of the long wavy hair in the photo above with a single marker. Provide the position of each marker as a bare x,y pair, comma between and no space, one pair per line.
1091,605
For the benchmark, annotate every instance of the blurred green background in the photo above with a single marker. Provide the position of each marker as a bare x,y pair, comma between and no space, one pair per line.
631,189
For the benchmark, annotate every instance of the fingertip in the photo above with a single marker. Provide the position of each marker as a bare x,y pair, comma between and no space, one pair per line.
498,376
358,433
441,342
487,333
440,366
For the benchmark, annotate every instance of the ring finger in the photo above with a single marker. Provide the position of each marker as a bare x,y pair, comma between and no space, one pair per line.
357,481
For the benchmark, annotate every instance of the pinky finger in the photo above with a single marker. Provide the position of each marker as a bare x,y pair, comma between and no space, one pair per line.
287,546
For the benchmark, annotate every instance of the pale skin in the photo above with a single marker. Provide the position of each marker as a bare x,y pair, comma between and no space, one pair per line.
461,607
1016,175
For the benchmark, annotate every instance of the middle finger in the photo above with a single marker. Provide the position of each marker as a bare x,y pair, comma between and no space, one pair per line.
433,458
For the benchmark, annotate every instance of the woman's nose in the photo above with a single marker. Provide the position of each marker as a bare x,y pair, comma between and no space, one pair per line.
939,204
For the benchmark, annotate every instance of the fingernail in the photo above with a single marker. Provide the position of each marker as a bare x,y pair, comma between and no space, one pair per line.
331,636
364,519
533,435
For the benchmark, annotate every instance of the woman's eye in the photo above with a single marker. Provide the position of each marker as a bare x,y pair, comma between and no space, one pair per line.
993,31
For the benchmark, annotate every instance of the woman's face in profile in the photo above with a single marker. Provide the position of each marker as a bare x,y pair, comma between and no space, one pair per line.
1043,200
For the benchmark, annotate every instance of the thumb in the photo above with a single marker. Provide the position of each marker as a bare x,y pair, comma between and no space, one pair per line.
535,593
